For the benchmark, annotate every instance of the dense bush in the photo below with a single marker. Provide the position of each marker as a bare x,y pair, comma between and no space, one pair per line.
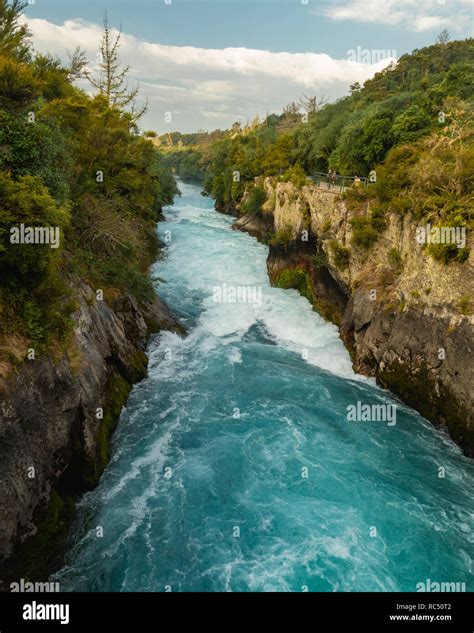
298,279
364,234
295,175
255,200
73,163
26,201
341,254
424,162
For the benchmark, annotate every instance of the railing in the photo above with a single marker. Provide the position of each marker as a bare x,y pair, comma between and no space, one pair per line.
335,182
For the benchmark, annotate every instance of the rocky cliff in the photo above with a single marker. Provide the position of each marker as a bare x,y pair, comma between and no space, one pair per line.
405,318
57,413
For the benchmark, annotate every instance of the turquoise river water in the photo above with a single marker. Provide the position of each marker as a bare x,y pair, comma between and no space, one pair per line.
234,466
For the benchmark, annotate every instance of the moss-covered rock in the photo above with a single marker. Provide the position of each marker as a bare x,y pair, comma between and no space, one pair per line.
431,399
42,553
298,279
117,391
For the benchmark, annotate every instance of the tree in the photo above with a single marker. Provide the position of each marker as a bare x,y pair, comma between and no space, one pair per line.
312,105
27,201
443,37
18,86
292,108
112,82
77,64
14,37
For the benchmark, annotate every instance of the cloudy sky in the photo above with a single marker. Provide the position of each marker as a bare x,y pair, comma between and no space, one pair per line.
208,63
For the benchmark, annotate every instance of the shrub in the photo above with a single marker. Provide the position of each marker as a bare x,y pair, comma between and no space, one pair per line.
27,201
281,237
465,305
255,201
326,226
341,254
18,86
395,259
298,279
295,174
319,260
364,234
447,253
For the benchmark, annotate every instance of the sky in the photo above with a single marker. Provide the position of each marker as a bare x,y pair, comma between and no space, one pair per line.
204,64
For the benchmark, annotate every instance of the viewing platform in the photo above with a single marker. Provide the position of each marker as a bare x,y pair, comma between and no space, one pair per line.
337,183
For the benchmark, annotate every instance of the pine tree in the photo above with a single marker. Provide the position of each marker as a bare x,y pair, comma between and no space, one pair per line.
14,36
112,81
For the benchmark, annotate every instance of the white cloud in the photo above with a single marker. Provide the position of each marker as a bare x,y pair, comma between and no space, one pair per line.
382,11
416,15
204,87
427,22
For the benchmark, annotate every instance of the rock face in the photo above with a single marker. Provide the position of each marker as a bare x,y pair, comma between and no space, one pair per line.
56,416
400,312
257,226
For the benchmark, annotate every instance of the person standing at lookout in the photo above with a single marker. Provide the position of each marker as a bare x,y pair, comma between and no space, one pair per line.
331,175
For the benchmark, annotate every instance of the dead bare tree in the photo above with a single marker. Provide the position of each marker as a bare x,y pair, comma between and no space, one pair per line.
77,63
312,105
292,108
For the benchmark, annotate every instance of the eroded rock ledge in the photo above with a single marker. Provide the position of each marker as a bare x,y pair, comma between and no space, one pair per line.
411,334
53,443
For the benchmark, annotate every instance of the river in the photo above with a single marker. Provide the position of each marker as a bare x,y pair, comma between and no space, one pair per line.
234,466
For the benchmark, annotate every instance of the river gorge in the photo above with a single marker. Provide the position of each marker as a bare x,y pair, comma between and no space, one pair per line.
236,465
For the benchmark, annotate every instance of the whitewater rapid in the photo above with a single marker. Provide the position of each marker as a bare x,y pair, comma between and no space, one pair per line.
234,466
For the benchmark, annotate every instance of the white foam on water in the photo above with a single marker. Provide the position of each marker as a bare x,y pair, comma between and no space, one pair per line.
287,317
290,320
290,532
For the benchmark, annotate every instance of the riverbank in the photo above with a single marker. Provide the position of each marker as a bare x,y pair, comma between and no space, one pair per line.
236,466
57,416
399,312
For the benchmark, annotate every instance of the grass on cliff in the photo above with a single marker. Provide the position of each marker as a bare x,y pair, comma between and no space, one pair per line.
298,279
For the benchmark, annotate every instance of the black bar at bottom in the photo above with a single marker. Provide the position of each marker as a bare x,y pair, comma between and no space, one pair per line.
236,612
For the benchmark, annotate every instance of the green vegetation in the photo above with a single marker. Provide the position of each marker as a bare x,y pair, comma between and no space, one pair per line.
117,391
395,259
298,279
253,204
465,305
282,237
188,155
341,254
412,124
79,165
364,234
295,174
42,552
